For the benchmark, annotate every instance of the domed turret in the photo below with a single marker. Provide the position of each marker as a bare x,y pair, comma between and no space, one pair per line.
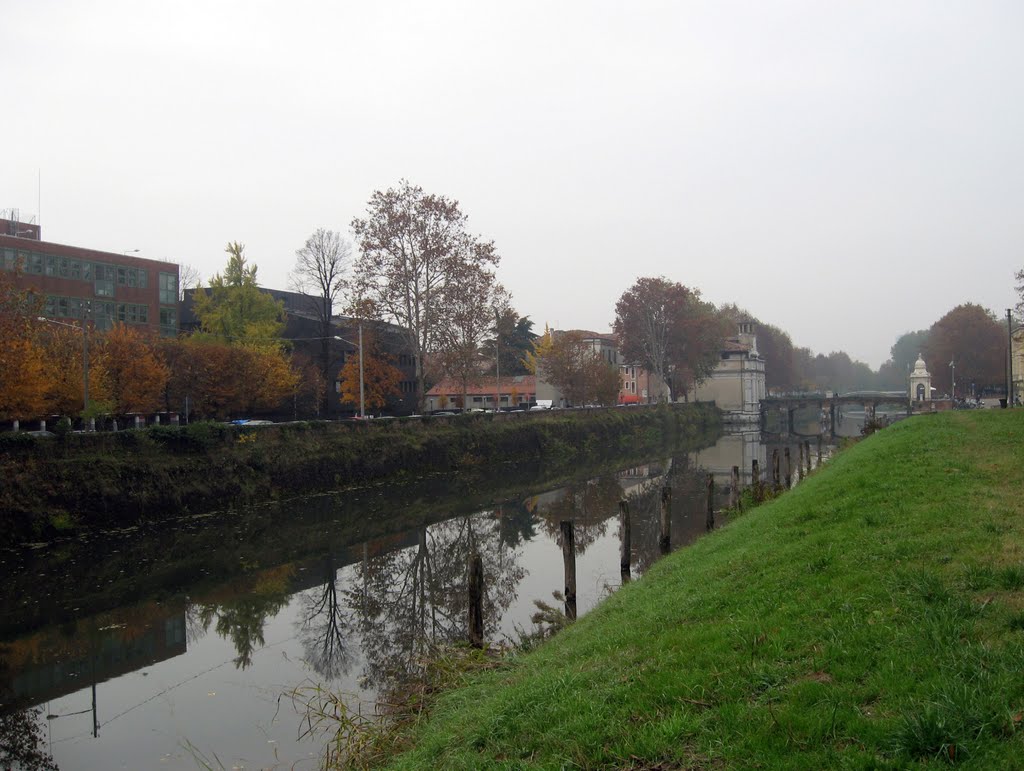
920,381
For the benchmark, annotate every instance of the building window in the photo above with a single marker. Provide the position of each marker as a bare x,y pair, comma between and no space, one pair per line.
168,321
103,280
168,289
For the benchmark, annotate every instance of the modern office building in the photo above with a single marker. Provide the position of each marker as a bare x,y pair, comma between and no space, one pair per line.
102,288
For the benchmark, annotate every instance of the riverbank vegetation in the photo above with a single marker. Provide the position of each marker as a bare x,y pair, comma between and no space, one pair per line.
103,479
870,618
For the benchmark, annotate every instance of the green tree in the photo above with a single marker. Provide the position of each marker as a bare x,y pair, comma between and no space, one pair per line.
906,349
514,338
234,309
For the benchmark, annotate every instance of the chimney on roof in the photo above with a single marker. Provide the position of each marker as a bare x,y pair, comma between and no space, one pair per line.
746,334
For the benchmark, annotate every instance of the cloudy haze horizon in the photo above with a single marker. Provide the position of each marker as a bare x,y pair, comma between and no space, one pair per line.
847,172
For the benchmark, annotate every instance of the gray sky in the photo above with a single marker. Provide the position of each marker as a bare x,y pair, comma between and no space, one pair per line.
847,171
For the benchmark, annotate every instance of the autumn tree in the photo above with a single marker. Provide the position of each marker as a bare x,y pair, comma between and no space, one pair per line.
668,330
262,378
381,379
569,363
466,316
134,374
22,374
412,245
320,272
971,337
64,355
234,309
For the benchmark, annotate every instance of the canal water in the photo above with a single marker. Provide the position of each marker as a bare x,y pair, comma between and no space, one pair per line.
195,643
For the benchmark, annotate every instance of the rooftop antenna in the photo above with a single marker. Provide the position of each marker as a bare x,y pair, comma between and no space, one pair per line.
39,198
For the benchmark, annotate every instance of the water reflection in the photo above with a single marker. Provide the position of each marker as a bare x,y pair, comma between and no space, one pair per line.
350,591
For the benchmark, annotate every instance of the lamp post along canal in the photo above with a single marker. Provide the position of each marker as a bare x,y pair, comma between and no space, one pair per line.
1009,359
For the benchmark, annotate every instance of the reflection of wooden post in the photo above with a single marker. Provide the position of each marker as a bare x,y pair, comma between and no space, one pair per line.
625,547
735,500
755,474
807,454
476,601
709,523
789,469
665,542
775,469
569,560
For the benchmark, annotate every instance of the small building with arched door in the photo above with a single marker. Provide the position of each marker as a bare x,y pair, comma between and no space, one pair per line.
920,389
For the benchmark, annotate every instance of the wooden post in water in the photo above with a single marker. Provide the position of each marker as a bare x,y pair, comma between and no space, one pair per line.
819,450
789,469
807,454
736,501
709,523
625,547
755,478
476,601
775,470
800,462
569,561
665,542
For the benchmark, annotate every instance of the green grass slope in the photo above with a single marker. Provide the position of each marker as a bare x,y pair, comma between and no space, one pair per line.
871,618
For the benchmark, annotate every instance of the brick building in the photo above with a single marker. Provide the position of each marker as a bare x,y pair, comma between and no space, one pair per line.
101,287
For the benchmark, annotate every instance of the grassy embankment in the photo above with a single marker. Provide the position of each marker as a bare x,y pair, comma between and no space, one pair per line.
871,618
113,479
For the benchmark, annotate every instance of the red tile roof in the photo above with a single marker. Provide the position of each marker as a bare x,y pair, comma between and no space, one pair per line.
484,386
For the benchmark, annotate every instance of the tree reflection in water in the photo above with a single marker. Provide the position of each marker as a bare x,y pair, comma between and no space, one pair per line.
688,507
242,614
324,626
22,741
409,601
395,605
589,505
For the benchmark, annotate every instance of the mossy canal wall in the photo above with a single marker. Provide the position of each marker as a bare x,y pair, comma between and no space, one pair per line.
111,479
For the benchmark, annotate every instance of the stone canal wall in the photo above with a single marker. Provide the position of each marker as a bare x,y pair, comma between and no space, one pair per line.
116,479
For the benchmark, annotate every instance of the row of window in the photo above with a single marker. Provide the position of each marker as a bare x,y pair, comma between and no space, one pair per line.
39,264
104,276
105,314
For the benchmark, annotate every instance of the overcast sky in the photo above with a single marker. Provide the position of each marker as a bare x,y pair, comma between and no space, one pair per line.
846,171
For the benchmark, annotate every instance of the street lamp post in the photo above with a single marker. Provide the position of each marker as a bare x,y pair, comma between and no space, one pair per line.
85,361
362,409
1009,359
952,378
497,361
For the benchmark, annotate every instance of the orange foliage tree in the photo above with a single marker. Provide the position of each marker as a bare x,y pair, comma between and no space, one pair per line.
263,377
22,376
220,380
134,375
380,377
63,354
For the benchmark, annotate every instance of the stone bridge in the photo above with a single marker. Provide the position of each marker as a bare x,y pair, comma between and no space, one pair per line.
870,401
